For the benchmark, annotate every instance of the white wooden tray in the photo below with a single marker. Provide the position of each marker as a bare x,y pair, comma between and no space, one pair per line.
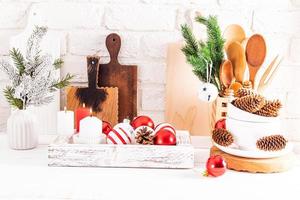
63,153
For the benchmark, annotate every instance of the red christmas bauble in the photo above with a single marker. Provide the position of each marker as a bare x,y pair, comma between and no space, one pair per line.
220,124
216,165
142,121
165,126
106,127
164,137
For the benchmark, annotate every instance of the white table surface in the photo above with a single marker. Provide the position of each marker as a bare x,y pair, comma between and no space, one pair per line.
25,175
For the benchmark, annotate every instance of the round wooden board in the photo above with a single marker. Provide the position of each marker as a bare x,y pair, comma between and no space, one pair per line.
261,165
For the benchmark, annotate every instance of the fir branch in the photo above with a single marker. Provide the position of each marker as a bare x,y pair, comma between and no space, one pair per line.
197,53
191,46
18,60
9,95
58,63
215,41
59,84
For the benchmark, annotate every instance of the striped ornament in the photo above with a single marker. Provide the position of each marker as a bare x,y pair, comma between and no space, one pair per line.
164,126
120,135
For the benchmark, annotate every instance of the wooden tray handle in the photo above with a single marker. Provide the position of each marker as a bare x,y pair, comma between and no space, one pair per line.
113,44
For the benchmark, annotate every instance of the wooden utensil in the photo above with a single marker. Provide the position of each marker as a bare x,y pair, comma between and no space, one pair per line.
103,101
236,54
233,33
226,73
124,77
269,74
255,55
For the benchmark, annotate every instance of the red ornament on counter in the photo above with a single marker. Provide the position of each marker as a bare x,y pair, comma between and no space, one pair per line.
220,124
215,166
164,137
80,113
142,121
106,127
165,126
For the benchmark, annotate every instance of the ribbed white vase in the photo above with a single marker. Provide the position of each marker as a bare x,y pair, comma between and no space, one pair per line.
21,130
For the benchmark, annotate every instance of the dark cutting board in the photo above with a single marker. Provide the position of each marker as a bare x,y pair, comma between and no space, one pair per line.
124,77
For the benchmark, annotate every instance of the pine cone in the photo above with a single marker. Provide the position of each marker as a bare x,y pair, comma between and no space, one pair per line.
250,103
271,143
244,92
144,136
222,137
270,109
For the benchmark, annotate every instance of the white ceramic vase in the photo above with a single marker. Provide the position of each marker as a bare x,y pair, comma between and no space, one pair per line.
22,130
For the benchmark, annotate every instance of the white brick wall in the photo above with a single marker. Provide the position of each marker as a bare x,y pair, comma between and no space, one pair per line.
146,27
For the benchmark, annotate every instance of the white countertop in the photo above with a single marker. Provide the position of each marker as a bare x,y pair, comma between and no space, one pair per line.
25,175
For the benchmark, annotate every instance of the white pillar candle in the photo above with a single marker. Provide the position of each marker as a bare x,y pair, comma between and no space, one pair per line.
65,122
90,126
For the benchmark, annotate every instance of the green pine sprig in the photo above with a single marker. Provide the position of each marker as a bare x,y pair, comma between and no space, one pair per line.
9,95
58,63
18,60
198,53
59,84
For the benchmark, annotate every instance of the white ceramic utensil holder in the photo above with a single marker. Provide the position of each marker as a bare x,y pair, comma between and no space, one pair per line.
247,128
21,130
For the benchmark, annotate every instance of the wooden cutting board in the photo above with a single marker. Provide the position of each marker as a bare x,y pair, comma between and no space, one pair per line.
261,165
103,101
183,108
124,77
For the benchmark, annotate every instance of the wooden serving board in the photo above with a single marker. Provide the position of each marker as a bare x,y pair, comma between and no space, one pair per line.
261,165
63,153
124,77
106,110
183,108
109,111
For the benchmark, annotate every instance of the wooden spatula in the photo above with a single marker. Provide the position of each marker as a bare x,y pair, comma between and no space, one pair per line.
236,54
226,73
255,55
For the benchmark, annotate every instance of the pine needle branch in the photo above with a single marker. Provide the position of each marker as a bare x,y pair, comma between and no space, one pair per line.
18,60
59,84
9,95
191,46
58,63
198,53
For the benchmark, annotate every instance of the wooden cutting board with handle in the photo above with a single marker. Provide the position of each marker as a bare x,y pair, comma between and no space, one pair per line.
124,77
103,101
183,108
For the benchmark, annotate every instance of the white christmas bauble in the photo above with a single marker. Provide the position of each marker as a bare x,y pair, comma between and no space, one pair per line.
207,92
122,133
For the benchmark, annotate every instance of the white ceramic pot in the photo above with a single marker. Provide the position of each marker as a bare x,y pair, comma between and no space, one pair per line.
21,130
247,128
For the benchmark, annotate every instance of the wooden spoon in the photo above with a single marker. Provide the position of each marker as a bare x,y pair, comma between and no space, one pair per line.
236,54
255,55
226,73
233,33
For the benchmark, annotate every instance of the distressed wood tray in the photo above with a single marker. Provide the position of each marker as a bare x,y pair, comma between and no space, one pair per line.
63,153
